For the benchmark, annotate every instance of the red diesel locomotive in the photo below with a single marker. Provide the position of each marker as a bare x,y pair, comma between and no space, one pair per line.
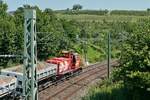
67,64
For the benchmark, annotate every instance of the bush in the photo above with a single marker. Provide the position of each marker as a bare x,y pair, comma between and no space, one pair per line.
111,92
135,64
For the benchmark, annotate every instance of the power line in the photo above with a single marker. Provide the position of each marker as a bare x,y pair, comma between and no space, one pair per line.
10,56
46,37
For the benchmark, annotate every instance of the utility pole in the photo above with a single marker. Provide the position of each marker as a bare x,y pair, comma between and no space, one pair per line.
108,55
85,45
85,51
84,48
30,56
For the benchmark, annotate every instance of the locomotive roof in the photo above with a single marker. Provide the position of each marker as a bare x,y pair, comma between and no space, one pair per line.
19,68
6,80
58,60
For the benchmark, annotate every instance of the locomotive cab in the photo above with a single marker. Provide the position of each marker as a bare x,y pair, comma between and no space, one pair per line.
66,54
73,56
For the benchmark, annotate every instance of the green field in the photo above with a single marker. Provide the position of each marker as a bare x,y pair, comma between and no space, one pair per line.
101,18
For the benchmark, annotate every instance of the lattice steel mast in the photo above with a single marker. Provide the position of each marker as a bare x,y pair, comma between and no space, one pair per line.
30,56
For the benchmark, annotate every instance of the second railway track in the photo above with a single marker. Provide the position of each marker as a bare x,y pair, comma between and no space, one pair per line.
67,89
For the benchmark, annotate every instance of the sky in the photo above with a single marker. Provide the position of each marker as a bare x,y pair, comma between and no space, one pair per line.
87,4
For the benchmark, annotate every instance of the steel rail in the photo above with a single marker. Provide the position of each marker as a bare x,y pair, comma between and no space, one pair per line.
102,67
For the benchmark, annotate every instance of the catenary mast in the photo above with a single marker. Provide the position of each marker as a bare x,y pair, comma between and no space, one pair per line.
30,56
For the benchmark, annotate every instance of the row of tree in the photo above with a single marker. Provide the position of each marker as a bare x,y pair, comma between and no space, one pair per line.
77,9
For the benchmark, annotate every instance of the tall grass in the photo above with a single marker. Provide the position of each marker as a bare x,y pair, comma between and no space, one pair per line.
115,91
111,92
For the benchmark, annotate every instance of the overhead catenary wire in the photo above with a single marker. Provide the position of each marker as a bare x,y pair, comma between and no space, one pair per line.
47,36
38,39
10,56
3,55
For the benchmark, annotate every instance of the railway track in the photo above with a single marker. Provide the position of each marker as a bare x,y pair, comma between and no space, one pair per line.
68,88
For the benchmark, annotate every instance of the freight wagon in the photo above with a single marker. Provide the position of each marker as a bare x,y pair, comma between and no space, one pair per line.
8,85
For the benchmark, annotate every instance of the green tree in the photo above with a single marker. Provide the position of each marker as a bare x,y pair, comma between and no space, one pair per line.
77,7
148,9
3,8
134,67
7,36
